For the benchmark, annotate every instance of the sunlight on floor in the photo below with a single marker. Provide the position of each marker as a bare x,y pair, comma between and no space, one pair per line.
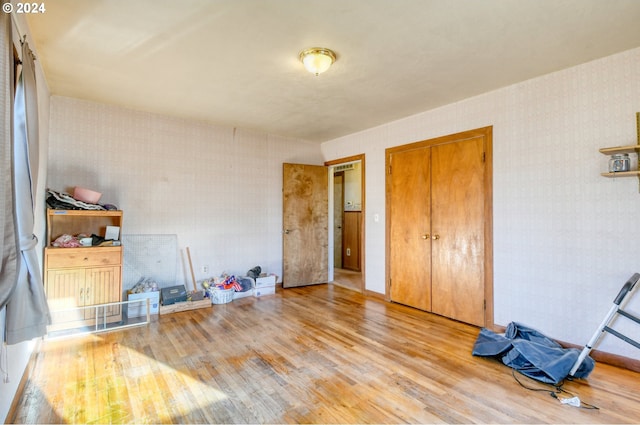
96,400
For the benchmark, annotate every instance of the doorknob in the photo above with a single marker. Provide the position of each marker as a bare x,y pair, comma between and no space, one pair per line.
435,237
286,231
425,236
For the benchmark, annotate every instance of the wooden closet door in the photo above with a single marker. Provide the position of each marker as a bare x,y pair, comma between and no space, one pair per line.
409,244
457,220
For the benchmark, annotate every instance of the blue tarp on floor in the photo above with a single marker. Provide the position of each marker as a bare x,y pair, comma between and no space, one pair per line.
531,353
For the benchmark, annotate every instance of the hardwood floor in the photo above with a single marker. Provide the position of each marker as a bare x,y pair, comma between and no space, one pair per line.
318,354
348,279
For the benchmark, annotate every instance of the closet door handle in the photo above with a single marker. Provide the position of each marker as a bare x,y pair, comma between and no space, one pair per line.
435,237
426,236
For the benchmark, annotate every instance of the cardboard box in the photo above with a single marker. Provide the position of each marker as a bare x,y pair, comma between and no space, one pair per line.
139,309
264,290
237,295
173,294
265,281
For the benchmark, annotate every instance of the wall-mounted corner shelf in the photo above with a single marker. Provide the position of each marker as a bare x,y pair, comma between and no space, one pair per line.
622,149
622,174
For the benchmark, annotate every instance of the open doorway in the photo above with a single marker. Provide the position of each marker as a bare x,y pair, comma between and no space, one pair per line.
347,221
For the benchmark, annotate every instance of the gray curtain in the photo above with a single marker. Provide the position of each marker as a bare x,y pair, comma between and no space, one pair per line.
8,236
27,311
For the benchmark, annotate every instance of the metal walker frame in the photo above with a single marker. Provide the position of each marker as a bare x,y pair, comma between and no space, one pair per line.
604,326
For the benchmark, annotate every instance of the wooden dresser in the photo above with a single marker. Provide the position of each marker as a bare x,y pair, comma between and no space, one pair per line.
85,276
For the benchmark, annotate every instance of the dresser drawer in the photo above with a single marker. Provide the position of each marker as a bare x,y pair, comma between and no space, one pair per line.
83,257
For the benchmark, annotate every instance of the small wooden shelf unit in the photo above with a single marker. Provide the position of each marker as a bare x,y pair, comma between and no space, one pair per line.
622,149
85,276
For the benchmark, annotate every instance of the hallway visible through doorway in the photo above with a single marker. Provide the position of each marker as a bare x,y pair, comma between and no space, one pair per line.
347,210
348,279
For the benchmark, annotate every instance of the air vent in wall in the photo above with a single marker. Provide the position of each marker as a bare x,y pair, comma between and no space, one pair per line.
344,167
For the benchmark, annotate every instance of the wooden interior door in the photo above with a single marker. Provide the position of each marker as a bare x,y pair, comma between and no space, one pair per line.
305,221
409,204
457,224
351,240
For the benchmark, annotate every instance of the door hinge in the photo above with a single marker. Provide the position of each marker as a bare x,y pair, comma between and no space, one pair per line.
484,156
389,282
389,169
485,305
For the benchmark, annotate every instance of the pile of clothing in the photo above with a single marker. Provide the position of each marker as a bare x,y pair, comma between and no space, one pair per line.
71,241
225,281
64,201
229,282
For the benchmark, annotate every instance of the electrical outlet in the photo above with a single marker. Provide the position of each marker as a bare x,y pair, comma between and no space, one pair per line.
205,269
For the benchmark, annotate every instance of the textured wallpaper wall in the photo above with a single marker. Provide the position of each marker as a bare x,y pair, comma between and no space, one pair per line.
565,238
218,189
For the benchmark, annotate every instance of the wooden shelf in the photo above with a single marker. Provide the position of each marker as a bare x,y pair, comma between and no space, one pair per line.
185,306
86,213
622,174
635,149
74,222
621,149
77,278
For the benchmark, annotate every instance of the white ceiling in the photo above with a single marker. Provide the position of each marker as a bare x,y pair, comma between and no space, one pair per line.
235,62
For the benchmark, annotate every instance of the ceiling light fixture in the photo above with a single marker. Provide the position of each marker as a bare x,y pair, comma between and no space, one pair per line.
317,59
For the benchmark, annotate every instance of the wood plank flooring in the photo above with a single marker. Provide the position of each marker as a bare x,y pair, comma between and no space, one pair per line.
318,354
348,279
